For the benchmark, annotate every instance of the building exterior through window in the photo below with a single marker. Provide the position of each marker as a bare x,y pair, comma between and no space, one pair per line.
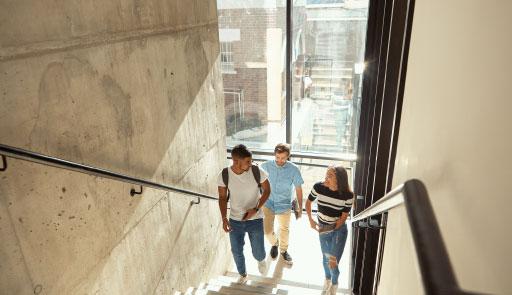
328,51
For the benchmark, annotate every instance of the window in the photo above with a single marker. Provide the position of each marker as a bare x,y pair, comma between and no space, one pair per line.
328,39
251,35
226,58
326,85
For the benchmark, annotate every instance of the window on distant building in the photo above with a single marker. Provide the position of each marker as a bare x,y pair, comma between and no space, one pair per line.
226,58
252,53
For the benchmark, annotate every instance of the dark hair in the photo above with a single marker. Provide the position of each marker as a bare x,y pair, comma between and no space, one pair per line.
342,180
281,148
240,152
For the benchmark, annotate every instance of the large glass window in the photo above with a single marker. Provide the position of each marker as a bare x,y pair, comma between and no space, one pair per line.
252,35
326,64
328,54
328,38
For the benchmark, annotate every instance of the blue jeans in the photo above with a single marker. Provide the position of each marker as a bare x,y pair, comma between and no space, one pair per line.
237,235
332,244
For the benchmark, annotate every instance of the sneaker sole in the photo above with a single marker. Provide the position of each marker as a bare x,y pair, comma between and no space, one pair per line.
288,262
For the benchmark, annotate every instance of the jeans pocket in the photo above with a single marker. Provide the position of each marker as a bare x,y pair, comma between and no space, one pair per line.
326,228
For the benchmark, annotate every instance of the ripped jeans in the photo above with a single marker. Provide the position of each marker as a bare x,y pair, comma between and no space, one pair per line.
332,244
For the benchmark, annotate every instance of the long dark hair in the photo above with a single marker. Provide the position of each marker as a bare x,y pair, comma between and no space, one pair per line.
342,180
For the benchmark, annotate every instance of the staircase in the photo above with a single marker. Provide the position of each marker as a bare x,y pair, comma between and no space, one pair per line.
331,129
256,285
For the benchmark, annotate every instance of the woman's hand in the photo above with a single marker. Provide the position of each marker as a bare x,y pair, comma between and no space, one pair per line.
339,223
313,224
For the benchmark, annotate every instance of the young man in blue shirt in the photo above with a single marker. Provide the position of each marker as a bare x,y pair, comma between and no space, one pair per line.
284,176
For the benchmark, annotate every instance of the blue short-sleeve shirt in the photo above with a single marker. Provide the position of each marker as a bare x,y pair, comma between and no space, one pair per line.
283,179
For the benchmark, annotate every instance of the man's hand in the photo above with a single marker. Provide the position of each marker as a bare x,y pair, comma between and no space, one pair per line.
299,215
225,225
250,213
313,224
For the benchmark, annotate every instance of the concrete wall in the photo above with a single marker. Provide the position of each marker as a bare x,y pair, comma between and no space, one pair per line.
129,86
455,132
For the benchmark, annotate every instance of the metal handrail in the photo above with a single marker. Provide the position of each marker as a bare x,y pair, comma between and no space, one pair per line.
34,157
301,155
296,163
436,270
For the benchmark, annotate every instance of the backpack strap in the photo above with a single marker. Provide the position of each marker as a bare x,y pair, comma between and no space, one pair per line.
225,179
257,175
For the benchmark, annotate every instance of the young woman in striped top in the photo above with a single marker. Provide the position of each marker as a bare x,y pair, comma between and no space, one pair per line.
335,200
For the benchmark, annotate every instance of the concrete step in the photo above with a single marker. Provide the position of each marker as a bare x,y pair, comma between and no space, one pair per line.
205,291
326,84
229,286
328,70
290,287
324,133
321,96
328,78
227,290
320,125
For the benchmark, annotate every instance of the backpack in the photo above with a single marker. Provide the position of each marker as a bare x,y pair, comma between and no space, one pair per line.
255,172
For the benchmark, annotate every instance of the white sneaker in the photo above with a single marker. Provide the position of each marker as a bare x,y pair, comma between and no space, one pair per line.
242,279
333,289
263,267
327,285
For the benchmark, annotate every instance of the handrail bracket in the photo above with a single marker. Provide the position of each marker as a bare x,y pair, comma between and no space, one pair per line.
196,202
133,192
4,163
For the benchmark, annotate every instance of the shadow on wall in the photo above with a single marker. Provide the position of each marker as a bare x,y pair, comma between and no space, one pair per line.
117,108
93,115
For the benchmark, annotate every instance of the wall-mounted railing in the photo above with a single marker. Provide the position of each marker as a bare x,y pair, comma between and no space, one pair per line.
21,154
436,270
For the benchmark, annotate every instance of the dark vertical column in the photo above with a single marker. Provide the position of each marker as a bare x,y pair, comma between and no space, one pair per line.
407,12
387,45
377,149
367,133
289,103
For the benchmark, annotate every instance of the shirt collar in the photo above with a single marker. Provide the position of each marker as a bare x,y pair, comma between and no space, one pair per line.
279,167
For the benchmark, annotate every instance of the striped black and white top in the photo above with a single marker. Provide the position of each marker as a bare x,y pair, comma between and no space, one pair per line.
330,203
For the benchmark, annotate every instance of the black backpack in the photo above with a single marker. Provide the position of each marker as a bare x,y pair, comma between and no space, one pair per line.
255,172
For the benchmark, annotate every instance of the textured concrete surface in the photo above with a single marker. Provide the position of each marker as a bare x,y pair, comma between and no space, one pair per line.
129,86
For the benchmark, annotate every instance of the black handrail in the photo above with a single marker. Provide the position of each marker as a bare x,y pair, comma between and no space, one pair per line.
301,155
436,270
296,163
34,157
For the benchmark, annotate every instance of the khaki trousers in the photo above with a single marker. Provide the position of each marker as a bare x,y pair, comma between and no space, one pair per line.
284,228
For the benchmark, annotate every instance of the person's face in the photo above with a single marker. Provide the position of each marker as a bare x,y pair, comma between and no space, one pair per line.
330,179
281,158
243,163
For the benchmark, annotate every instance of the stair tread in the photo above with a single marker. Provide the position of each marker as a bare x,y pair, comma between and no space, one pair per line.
221,284
289,285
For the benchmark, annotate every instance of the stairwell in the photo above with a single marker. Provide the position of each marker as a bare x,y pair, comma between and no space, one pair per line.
227,284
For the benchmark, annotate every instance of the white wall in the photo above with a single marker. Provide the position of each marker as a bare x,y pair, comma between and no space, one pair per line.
455,132
400,272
